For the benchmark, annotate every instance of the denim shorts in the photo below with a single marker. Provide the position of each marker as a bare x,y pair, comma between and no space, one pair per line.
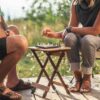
3,48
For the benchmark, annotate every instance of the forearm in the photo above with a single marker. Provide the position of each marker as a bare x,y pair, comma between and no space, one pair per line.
57,35
85,30
60,34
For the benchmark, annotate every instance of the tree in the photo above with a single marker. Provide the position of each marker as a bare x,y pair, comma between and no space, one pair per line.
45,11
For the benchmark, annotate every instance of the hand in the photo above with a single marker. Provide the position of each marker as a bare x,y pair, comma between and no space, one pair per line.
10,32
45,31
49,33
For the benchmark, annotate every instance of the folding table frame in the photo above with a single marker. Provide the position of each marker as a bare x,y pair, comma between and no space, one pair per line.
48,52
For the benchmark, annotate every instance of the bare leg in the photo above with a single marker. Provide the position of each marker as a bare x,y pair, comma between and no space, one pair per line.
12,79
8,63
16,46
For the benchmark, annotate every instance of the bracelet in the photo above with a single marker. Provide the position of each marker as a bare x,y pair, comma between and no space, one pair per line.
69,29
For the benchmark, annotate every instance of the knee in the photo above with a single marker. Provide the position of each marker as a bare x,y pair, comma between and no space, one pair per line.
70,39
21,43
14,28
87,40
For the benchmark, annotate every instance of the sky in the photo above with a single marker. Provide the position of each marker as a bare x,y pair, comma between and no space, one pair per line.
13,8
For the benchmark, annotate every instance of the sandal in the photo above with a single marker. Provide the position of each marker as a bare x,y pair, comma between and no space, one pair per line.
22,86
78,82
86,85
76,87
7,94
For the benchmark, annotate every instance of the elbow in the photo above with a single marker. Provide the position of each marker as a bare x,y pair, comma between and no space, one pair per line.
95,30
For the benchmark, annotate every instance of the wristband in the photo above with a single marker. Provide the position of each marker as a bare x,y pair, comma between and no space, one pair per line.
69,29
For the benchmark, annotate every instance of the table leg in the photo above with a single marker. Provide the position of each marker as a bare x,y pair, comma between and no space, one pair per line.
54,72
42,68
41,65
56,66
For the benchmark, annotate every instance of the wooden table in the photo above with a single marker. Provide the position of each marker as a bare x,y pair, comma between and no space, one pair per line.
60,51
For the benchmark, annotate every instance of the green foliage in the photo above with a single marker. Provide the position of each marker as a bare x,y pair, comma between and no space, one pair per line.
96,68
45,11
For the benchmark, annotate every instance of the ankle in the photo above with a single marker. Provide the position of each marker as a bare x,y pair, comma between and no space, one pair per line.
87,77
78,75
12,84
